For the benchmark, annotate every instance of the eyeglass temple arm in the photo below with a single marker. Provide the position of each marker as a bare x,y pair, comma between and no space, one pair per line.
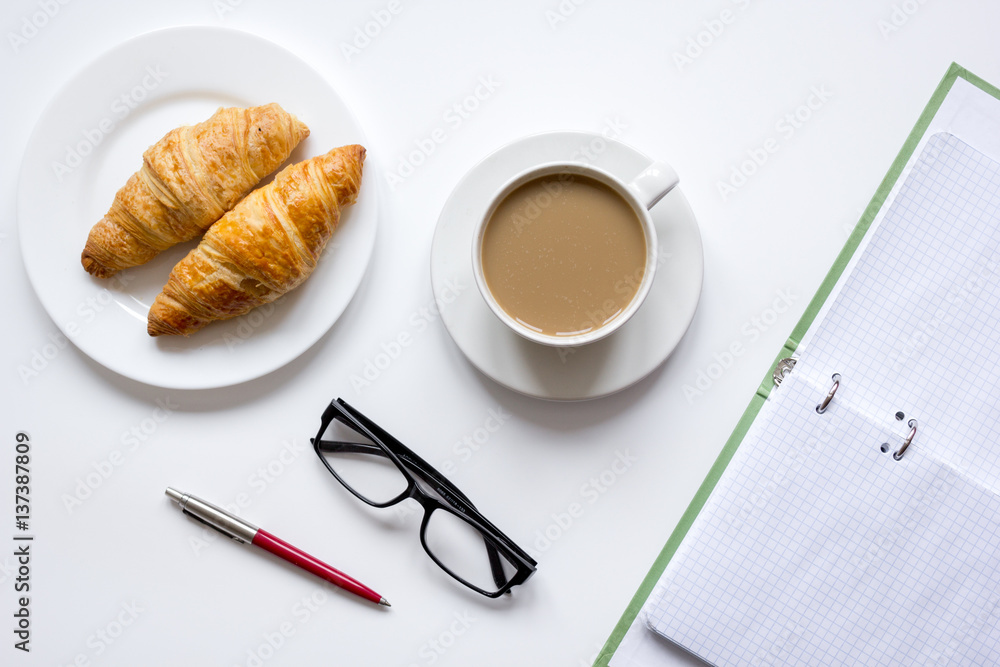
496,565
403,452
427,471
416,464
429,474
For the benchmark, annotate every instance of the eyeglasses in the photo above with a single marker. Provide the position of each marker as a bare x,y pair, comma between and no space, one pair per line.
383,472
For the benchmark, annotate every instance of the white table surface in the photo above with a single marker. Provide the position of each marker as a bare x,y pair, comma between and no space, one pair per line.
123,578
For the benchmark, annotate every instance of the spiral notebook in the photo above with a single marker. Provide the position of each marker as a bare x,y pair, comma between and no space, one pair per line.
858,518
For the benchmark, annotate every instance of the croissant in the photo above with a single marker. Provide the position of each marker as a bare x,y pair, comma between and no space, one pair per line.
261,249
188,179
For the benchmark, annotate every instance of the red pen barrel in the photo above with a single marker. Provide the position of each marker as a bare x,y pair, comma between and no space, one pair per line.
296,556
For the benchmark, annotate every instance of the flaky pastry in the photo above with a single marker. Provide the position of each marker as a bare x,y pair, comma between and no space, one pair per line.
188,180
267,245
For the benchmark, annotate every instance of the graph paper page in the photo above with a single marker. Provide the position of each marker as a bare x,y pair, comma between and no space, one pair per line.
817,547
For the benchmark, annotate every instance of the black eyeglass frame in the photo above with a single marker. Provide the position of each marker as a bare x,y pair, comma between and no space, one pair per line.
408,463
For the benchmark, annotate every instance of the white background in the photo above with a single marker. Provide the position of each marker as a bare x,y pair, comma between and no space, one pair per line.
125,547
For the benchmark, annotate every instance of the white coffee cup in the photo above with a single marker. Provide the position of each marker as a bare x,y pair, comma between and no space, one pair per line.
641,193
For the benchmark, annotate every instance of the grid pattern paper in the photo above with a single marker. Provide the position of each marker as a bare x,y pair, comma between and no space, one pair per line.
818,548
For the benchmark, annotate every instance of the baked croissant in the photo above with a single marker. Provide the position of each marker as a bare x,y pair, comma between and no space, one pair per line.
188,179
261,249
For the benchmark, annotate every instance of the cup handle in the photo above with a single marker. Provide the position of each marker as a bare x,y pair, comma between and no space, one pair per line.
653,183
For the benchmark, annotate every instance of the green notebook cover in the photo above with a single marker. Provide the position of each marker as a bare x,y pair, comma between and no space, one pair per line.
954,72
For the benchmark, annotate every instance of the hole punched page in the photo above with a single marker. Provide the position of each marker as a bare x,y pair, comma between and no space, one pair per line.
817,548
916,325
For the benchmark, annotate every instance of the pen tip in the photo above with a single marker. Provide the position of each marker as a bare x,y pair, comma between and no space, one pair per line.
384,602
175,494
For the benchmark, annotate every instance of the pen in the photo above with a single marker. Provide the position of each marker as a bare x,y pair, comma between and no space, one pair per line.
246,533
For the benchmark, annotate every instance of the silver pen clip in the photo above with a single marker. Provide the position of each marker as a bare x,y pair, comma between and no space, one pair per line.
228,524
231,536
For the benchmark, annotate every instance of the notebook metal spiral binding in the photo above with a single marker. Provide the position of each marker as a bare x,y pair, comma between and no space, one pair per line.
821,408
898,454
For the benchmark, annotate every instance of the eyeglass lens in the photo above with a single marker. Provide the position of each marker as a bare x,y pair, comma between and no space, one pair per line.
452,541
363,467
459,547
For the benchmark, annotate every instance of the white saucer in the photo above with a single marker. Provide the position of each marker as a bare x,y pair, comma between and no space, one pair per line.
99,124
590,371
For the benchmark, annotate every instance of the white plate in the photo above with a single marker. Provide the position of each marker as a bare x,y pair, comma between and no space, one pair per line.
90,139
589,371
